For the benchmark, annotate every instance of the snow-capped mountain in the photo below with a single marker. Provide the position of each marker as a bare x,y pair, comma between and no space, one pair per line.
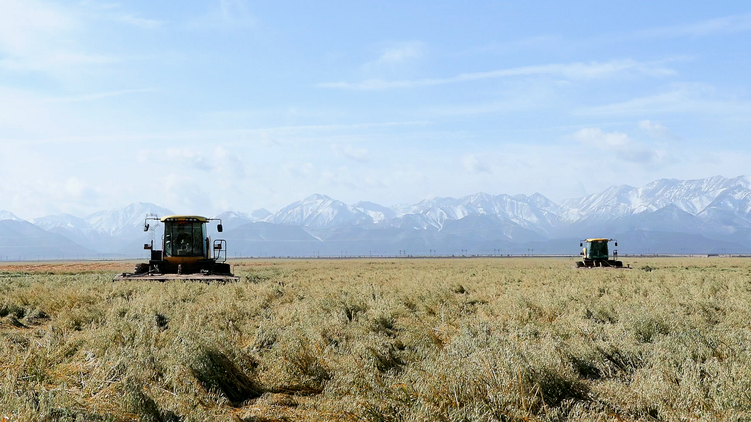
105,231
126,221
691,196
714,213
377,212
7,215
319,212
61,221
535,212
232,219
735,200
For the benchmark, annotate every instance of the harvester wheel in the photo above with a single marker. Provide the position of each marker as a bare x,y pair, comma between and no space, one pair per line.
579,264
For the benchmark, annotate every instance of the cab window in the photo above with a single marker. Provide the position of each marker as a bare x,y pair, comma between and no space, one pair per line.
184,238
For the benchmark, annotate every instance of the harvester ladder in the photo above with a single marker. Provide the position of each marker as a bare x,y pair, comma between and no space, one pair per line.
220,250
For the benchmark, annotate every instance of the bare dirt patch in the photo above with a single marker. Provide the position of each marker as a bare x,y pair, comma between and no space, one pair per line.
67,267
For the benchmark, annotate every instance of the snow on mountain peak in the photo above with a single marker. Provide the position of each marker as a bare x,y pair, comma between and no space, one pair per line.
123,221
377,212
7,215
61,220
319,211
721,201
690,196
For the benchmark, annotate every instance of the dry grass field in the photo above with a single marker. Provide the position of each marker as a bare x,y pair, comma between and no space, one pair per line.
380,340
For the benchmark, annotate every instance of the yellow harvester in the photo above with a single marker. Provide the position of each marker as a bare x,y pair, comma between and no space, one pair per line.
187,252
595,254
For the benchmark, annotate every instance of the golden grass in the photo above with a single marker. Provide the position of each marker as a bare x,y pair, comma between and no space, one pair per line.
381,340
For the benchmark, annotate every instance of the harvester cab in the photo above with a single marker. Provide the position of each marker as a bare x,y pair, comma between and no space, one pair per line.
595,254
187,252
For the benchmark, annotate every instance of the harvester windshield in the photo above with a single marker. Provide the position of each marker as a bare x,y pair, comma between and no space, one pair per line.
598,249
184,238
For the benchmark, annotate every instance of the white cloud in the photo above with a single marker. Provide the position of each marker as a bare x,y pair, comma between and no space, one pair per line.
340,177
136,20
602,140
683,98
300,171
727,24
144,155
30,25
230,164
114,12
39,36
97,95
579,70
97,5
80,191
225,14
396,56
656,130
348,151
472,164
227,167
185,193
191,157
401,52
620,145
395,60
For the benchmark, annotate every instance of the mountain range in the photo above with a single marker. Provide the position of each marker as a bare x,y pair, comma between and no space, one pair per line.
710,215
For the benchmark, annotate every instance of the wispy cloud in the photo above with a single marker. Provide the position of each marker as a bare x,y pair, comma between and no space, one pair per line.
299,170
472,164
30,30
97,96
43,37
684,98
261,136
115,12
579,70
136,20
656,130
402,52
225,14
723,25
352,153
395,58
191,157
622,146
98,5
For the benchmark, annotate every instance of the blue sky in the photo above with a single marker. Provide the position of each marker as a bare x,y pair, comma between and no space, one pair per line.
207,106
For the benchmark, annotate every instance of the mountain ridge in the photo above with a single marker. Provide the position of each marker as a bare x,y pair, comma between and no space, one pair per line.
716,209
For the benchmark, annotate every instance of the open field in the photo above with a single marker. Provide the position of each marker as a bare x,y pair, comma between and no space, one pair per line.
380,340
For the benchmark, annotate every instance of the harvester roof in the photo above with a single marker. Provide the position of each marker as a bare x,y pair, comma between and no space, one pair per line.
184,218
597,239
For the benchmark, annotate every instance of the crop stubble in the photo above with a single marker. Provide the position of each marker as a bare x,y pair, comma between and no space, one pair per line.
464,339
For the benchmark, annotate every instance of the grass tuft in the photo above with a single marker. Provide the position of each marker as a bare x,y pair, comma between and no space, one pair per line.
218,374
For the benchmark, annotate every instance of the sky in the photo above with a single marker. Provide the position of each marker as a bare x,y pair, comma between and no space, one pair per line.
216,105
